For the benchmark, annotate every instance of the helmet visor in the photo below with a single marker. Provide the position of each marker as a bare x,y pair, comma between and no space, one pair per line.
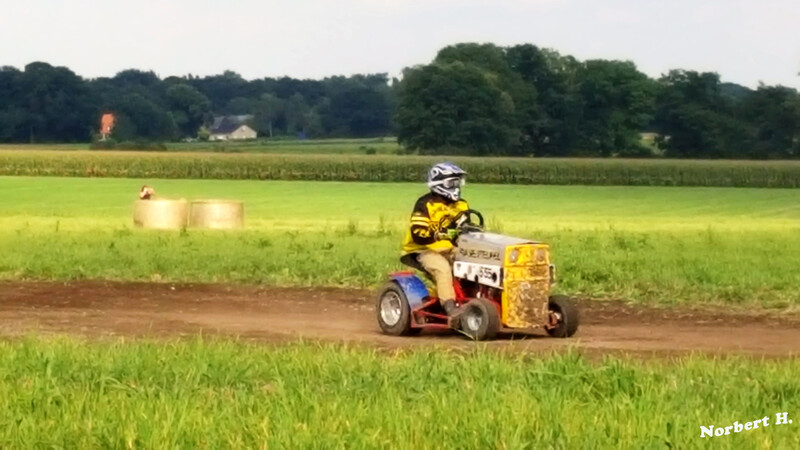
452,183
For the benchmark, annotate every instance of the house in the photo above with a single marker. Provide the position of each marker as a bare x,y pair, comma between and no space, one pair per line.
227,128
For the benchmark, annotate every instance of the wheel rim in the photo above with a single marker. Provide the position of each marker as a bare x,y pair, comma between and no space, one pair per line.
391,308
473,319
556,318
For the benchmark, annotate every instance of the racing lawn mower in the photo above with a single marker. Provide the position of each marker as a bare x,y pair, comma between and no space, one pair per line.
500,281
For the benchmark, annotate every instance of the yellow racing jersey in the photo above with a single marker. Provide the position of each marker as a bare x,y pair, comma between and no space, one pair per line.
432,213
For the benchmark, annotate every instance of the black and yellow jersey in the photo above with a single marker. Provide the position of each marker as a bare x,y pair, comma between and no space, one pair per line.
431,214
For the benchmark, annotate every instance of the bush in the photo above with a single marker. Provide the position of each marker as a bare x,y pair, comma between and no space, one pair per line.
203,134
107,144
141,146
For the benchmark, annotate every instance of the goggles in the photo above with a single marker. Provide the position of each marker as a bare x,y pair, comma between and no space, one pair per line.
452,183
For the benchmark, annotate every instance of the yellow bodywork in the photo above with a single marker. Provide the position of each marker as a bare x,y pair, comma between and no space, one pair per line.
526,285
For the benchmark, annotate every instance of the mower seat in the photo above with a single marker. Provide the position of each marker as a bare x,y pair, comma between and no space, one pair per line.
410,260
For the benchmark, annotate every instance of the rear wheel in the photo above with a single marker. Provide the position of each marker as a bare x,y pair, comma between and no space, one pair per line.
394,314
563,321
480,319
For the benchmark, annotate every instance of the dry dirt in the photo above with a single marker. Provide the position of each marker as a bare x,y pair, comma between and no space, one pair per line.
98,309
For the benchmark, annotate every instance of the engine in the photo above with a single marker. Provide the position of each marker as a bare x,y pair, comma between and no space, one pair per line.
519,268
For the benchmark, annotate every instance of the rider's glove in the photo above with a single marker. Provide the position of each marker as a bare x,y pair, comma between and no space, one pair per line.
449,234
453,234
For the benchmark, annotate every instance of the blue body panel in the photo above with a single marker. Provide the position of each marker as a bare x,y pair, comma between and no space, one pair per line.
413,287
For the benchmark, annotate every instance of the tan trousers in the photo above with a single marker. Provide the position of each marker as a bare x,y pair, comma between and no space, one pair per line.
438,265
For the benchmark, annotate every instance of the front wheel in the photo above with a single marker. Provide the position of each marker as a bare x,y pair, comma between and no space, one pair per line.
563,321
393,311
480,319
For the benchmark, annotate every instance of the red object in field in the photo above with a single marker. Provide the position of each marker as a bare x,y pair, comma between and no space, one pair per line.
106,124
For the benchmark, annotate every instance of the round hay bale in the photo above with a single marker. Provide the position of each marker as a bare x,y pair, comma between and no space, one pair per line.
216,214
160,214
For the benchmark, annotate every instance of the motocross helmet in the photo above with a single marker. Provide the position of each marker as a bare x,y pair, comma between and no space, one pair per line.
446,179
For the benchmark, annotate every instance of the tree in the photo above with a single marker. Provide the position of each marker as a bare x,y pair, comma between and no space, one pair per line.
552,124
453,106
267,110
189,107
220,89
298,115
286,87
488,57
13,115
138,117
356,106
57,104
146,84
241,105
618,103
518,96
358,111
203,134
472,98
773,112
137,78
142,107
695,120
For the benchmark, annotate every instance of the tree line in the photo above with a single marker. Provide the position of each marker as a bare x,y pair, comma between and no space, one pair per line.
477,99
43,103
524,100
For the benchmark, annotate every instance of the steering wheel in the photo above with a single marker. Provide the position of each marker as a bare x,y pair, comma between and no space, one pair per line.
465,223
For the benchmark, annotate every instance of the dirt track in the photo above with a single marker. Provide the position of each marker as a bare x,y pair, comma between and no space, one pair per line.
110,309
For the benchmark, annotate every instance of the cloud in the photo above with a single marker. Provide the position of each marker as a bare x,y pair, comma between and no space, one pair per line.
432,4
744,40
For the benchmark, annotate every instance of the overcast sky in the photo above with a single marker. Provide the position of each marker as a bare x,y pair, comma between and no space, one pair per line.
746,41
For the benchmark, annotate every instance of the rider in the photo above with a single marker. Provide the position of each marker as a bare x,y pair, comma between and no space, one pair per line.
428,243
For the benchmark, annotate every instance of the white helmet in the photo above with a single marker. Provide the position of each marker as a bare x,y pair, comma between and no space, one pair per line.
446,179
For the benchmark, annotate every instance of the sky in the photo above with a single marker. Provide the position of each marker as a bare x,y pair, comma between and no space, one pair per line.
745,41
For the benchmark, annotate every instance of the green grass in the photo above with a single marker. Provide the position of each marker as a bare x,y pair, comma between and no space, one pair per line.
648,244
80,146
293,164
293,146
278,146
66,393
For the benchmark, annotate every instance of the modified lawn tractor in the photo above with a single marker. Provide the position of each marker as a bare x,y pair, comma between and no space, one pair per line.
501,281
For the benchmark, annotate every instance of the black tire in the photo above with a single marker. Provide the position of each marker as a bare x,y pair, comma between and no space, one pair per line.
565,308
401,324
480,319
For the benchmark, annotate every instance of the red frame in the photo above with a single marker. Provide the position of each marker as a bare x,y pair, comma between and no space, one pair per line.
432,311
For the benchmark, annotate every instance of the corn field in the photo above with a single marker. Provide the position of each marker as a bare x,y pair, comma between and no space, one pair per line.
555,171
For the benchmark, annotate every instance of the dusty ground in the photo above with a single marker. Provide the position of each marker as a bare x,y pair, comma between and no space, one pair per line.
140,309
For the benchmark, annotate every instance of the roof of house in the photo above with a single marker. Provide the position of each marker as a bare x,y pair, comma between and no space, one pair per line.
225,128
228,124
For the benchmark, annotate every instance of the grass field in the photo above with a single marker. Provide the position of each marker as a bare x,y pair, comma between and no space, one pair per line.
649,244
282,146
661,245
66,393
381,146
